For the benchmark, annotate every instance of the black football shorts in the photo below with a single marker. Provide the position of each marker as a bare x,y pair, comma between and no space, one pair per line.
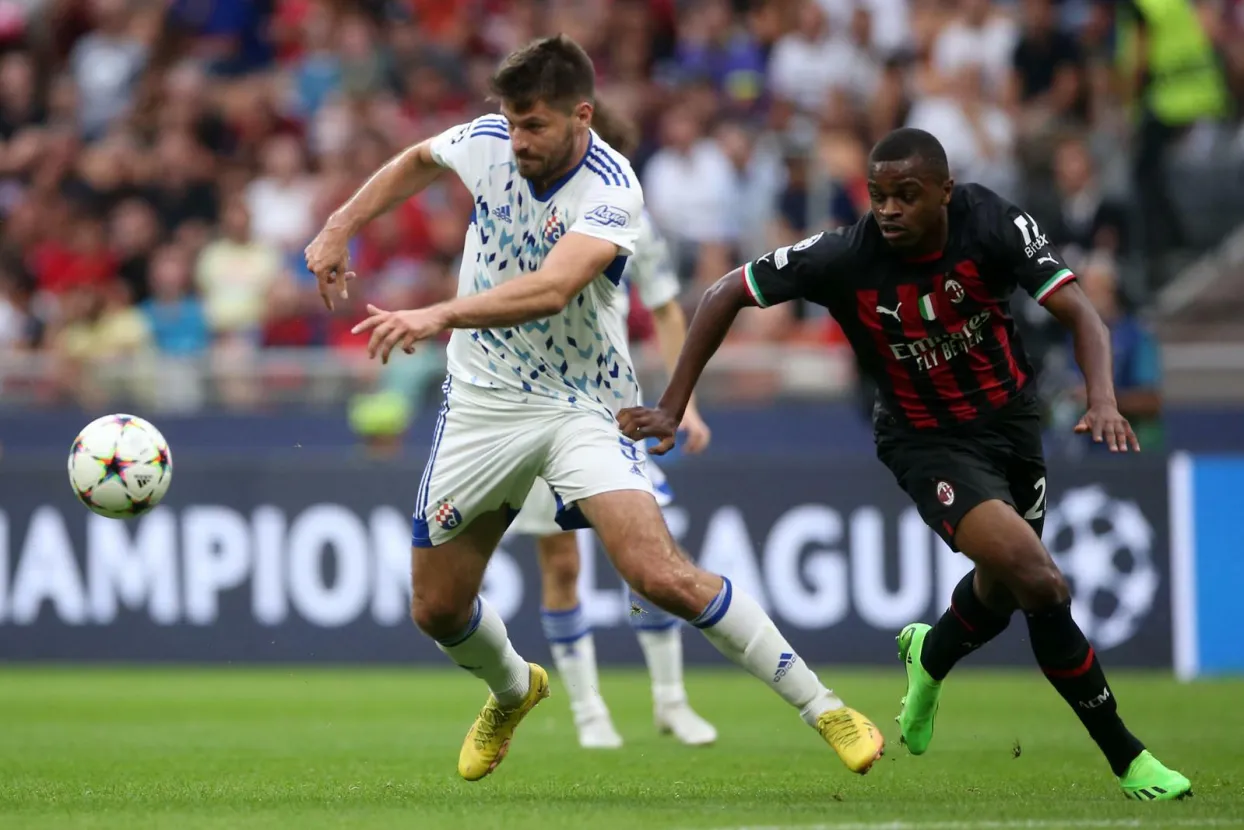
947,473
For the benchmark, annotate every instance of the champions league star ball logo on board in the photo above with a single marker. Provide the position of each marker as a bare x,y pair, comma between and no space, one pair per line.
1104,546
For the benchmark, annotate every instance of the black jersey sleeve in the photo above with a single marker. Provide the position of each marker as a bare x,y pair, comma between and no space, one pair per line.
798,270
1023,250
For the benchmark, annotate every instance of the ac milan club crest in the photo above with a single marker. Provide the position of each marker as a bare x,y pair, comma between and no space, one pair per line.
945,493
954,291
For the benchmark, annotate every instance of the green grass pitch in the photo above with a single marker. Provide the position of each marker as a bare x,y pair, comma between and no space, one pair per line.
358,748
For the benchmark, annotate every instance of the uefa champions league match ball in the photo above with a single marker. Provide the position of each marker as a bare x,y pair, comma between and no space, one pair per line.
120,466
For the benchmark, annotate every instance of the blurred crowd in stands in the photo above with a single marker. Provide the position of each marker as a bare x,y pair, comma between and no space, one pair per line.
163,163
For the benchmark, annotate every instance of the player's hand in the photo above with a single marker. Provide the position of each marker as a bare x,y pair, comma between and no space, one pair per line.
328,257
1105,424
641,422
697,432
390,329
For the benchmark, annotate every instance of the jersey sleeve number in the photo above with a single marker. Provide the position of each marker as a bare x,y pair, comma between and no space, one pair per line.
1034,240
1038,507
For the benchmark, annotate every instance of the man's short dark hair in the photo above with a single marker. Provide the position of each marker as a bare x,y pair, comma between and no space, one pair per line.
616,131
909,143
554,70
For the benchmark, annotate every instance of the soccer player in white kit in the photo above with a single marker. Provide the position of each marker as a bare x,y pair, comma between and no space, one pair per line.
537,374
561,613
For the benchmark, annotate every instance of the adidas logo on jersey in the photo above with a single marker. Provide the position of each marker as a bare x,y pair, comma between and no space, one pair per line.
503,213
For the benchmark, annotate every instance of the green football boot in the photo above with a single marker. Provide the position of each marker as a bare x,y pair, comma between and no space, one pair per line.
1147,779
915,720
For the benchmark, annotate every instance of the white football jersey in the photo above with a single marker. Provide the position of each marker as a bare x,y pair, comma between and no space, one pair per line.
651,270
578,357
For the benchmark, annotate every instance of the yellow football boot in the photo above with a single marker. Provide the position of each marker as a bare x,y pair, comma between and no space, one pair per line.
854,737
489,737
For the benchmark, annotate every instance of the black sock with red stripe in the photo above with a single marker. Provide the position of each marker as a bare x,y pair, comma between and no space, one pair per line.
1071,666
964,627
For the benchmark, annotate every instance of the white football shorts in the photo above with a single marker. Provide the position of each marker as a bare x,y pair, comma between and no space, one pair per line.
540,515
488,451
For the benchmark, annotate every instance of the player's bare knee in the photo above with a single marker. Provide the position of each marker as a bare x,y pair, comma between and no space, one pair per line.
1041,584
439,618
994,593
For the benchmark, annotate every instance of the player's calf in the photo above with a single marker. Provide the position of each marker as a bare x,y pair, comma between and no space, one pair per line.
558,556
634,533
979,610
445,605
997,538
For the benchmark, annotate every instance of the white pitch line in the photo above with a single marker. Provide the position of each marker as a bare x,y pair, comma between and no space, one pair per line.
1037,824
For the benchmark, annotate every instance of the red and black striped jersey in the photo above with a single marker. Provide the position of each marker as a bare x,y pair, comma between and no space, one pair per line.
936,335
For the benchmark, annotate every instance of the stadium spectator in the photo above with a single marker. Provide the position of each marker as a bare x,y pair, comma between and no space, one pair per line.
21,329
174,315
106,65
280,201
20,103
134,230
1047,69
1088,222
979,136
813,59
234,274
983,36
714,45
690,190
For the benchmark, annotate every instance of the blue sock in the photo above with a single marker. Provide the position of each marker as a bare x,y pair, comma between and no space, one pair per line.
574,652
564,627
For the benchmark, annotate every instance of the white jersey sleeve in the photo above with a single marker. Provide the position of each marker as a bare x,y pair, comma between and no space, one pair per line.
651,269
613,212
466,147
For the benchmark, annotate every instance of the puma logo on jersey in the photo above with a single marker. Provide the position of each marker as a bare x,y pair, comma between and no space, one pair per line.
1047,258
883,310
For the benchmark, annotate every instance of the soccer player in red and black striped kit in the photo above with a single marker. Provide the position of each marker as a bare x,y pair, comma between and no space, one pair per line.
921,288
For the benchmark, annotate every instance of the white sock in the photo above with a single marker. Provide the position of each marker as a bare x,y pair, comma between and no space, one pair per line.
660,637
483,648
663,654
574,653
740,629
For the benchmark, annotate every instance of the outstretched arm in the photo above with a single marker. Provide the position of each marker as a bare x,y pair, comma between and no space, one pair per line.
713,318
575,261
404,175
1024,249
1091,339
719,306
671,330
400,178
784,274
